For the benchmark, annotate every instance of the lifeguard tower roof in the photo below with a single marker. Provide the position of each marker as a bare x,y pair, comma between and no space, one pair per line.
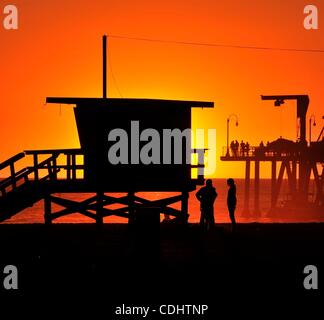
129,101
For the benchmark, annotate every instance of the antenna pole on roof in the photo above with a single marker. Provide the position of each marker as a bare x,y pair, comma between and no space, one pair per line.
104,66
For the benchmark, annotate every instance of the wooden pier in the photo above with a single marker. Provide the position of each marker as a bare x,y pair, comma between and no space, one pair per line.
297,159
297,163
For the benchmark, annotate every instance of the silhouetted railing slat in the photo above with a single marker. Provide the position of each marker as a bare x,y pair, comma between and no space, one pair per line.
13,159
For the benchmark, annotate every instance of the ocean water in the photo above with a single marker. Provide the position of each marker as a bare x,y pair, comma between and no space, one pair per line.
35,214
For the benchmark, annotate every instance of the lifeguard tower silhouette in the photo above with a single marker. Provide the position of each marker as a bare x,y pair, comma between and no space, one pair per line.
95,117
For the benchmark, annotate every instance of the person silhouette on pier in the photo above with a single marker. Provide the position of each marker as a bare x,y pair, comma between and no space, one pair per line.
237,145
232,146
242,146
207,196
247,149
231,201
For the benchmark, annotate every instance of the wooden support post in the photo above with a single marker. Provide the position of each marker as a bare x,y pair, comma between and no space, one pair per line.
280,178
47,209
12,174
302,192
54,172
201,162
184,206
320,189
257,189
273,183
290,180
277,185
308,171
320,192
319,186
36,167
246,209
294,177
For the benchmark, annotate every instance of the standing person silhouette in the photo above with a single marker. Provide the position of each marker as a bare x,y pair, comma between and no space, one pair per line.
242,145
231,201
206,196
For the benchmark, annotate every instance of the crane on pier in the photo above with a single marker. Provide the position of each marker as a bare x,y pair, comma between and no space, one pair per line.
302,106
296,159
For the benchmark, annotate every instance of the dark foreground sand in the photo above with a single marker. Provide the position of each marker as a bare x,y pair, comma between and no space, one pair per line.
261,265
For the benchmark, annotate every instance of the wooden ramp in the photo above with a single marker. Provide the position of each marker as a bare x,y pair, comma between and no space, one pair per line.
27,185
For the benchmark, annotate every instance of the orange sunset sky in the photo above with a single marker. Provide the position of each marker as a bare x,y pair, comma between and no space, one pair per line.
57,52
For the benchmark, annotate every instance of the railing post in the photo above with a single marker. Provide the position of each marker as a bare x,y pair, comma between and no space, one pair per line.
200,162
73,166
68,166
49,168
12,174
35,156
54,173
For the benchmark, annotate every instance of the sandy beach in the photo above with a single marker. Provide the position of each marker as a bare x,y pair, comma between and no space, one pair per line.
168,264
